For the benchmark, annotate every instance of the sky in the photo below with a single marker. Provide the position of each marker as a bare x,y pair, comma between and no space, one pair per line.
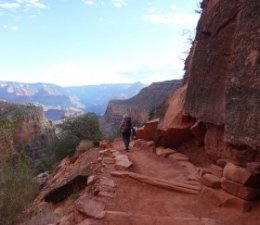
80,42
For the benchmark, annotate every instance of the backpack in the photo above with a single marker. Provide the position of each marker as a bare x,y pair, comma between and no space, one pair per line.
127,126
128,122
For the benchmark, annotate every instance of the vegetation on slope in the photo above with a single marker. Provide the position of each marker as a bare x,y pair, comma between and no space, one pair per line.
71,132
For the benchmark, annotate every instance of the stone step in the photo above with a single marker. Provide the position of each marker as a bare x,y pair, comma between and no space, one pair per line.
239,190
240,175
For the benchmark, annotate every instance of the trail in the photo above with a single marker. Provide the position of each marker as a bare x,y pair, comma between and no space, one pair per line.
154,190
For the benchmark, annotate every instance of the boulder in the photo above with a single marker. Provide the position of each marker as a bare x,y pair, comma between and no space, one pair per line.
174,126
236,189
211,180
107,182
122,162
220,198
240,175
140,133
109,160
165,152
66,187
105,152
253,167
91,180
106,194
40,179
150,128
179,157
90,207
104,144
216,170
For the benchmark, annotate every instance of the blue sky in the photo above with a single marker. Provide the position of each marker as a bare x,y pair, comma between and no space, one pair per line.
77,42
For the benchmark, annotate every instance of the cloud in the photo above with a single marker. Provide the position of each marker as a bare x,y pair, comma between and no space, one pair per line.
37,4
89,2
118,3
8,5
12,28
178,19
115,3
33,4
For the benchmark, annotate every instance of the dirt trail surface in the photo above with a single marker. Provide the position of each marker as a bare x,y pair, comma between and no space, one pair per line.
139,188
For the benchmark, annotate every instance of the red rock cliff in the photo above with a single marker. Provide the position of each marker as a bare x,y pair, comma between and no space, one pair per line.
222,77
27,127
140,105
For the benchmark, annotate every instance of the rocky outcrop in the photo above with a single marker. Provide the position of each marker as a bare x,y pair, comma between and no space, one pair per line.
24,127
139,106
174,127
222,73
148,131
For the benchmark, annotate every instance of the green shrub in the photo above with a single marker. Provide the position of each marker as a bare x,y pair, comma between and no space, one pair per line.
72,131
82,127
17,190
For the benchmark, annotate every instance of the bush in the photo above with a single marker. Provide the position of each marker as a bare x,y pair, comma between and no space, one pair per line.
72,131
17,190
82,127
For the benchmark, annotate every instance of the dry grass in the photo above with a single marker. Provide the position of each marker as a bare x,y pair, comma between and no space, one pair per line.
84,145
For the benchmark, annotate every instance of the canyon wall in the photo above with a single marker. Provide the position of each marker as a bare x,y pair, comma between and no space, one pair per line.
140,106
222,99
24,127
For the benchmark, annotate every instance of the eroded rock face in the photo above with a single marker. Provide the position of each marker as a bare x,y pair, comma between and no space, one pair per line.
30,129
222,77
139,106
174,127
148,131
243,82
62,190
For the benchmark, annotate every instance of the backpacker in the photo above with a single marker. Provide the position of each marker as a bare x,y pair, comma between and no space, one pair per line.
127,126
128,122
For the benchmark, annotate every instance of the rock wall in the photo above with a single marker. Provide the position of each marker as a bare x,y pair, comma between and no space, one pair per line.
223,85
174,128
223,78
140,105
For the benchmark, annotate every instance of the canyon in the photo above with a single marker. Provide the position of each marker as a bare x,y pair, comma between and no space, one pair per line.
198,163
59,102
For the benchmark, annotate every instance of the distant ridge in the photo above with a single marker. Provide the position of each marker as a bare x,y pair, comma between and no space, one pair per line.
59,102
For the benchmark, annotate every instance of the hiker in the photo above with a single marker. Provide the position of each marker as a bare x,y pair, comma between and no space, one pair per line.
125,128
